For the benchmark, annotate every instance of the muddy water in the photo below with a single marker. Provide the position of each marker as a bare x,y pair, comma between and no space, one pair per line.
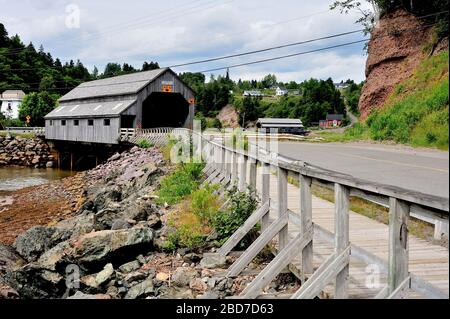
15,178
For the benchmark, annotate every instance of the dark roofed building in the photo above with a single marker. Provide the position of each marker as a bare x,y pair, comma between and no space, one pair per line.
291,126
96,111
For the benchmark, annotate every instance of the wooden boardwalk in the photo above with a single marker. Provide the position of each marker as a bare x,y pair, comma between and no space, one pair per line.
427,261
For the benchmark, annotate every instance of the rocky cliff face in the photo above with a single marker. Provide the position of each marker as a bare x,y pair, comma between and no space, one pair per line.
393,56
32,152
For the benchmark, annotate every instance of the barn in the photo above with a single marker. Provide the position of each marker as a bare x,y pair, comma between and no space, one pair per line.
96,111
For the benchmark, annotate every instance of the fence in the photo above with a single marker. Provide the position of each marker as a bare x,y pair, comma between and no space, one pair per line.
38,131
224,162
228,166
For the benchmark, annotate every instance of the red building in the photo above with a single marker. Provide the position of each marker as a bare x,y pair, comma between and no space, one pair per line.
332,120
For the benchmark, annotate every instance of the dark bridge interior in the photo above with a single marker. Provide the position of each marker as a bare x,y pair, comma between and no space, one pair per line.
164,110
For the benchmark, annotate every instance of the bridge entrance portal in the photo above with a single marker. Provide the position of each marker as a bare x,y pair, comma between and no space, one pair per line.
164,110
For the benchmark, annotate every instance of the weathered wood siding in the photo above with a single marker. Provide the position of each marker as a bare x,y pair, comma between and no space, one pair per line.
156,86
110,134
98,133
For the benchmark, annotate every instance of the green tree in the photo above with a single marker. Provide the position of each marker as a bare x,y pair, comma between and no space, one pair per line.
150,66
381,7
194,80
269,81
36,105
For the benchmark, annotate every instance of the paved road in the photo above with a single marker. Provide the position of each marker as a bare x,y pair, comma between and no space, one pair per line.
426,171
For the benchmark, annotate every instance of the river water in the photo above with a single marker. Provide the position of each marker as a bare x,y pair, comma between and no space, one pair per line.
15,178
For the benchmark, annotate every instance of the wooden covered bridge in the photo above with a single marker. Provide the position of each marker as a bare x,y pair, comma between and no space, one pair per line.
96,118
99,111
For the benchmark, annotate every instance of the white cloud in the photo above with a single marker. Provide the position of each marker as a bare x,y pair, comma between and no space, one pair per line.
180,31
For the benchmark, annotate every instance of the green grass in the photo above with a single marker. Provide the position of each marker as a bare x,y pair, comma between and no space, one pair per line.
357,133
181,183
416,113
144,144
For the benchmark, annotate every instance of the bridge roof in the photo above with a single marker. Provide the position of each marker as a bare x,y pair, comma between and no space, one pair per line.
100,109
118,85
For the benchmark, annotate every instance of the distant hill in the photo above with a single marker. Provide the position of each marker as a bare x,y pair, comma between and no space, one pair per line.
25,68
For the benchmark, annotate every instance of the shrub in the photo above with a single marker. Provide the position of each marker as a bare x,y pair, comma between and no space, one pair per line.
191,230
144,144
242,205
205,204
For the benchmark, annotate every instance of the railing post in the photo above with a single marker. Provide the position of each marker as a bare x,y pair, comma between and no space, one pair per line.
253,167
306,222
282,206
398,243
234,167
265,193
341,233
223,160
228,162
242,177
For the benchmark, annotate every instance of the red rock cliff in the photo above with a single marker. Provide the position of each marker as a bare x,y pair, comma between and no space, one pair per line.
392,56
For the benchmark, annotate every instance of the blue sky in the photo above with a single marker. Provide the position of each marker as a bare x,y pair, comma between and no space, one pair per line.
178,31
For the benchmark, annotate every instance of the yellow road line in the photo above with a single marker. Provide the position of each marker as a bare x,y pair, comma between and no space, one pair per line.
395,163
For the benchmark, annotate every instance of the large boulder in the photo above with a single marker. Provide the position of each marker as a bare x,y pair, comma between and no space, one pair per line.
33,282
99,246
37,240
81,295
213,260
79,225
142,289
9,259
94,248
183,276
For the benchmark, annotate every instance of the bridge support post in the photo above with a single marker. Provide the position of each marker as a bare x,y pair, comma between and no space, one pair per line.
398,243
341,233
282,206
306,223
71,160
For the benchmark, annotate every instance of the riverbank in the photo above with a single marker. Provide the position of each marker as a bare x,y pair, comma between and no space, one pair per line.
39,205
114,238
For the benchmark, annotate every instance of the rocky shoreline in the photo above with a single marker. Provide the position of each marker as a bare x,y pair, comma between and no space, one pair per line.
111,245
30,152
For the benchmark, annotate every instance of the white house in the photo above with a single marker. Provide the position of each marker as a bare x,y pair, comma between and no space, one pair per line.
253,93
281,91
10,101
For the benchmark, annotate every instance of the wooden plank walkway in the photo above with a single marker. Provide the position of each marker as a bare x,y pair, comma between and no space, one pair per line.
427,261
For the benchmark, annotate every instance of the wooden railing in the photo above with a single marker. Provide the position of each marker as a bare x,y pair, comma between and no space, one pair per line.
38,131
223,167
155,136
228,166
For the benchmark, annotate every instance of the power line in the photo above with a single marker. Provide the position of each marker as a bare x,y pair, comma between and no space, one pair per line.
240,54
268,49
285,56
310,51
213,59
269,59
